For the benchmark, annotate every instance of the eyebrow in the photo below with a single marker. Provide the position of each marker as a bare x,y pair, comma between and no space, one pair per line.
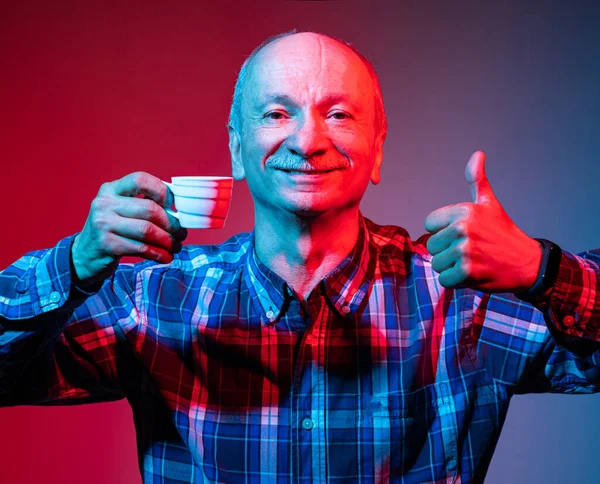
275,98
285,99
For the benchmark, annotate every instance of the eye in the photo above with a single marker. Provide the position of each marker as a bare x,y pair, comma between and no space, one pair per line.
275,115
339,115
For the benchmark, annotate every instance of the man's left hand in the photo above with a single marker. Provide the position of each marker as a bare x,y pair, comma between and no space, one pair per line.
477,245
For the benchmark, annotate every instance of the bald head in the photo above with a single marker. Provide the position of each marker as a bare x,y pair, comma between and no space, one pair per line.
294,50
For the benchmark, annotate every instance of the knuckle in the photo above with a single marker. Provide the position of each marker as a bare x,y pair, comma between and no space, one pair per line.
104,188
153,211
100,222
466,211
143,179
461,228
139,178
100,203
145,207
148,208
143,248
144,228
108,243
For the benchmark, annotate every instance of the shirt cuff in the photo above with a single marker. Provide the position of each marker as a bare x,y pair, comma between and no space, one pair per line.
51,285
574,305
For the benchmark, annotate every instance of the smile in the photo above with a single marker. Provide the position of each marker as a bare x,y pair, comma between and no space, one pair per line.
307,172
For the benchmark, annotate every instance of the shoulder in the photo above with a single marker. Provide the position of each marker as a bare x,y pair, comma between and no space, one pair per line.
228,255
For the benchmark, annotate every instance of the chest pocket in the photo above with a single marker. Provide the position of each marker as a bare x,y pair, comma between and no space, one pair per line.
412,433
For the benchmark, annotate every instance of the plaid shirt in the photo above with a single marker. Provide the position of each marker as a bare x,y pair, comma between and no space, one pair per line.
382,375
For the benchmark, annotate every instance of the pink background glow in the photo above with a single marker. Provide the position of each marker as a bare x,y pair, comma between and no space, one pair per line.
91,91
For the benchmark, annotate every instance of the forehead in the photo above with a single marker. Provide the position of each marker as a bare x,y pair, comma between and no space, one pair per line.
308,66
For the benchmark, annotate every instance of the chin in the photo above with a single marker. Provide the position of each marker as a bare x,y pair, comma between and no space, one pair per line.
311,205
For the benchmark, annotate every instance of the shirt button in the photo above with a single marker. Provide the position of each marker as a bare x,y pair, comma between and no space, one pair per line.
307,424
270,314
309,339
568,321
345,309
54,297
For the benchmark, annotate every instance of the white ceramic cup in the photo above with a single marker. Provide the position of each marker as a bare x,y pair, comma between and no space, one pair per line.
202,202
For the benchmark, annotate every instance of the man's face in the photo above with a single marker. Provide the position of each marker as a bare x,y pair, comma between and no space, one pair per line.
308,139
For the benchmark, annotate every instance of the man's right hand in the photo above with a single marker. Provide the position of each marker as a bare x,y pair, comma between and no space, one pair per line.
121,224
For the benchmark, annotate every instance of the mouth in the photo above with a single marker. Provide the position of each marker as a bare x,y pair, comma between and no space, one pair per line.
307,172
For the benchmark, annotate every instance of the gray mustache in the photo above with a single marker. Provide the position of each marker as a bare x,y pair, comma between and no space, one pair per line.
285,162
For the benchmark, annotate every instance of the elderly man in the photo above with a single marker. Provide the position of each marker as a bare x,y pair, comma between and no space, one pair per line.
321,347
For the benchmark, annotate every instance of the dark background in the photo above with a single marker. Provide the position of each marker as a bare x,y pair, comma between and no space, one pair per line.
91,91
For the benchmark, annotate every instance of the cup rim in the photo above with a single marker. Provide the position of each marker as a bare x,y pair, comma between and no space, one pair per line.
176,179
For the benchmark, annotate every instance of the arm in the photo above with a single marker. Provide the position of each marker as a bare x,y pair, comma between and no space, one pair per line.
572,307
58,343
547,345
552,345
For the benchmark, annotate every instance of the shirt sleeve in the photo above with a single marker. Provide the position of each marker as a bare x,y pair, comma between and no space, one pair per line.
58,344
574,307
551,346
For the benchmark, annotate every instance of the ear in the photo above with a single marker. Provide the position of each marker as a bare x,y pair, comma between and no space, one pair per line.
235,149
376,171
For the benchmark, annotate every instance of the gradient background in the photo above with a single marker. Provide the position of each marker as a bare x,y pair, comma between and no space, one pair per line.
91,91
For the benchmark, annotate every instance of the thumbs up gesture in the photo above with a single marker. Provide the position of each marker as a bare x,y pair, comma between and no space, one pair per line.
477,245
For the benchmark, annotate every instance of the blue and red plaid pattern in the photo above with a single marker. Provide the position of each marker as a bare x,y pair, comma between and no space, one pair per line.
381,375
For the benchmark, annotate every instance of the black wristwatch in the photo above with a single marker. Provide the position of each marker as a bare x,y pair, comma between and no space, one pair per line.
548,272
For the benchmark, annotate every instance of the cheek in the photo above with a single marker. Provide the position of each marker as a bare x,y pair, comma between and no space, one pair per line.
352,142
263,142
356,146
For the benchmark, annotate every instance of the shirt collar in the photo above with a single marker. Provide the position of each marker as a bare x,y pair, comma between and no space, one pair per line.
346,286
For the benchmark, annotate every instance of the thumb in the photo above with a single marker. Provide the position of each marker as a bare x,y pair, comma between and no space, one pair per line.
481,190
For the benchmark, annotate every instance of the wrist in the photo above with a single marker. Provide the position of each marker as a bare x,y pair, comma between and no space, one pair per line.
547,272
533,266
80,279
78,272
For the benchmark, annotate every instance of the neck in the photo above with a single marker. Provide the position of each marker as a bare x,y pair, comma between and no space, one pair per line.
303,250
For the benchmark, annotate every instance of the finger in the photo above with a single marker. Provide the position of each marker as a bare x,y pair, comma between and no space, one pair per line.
122,246
442,217
142,183
481,190
146,209
145,231
445,260
454,278
438,242
455,233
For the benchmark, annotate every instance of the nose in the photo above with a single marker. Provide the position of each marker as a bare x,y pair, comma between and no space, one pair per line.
310,137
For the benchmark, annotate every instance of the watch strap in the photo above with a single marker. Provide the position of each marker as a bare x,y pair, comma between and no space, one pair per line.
548,272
